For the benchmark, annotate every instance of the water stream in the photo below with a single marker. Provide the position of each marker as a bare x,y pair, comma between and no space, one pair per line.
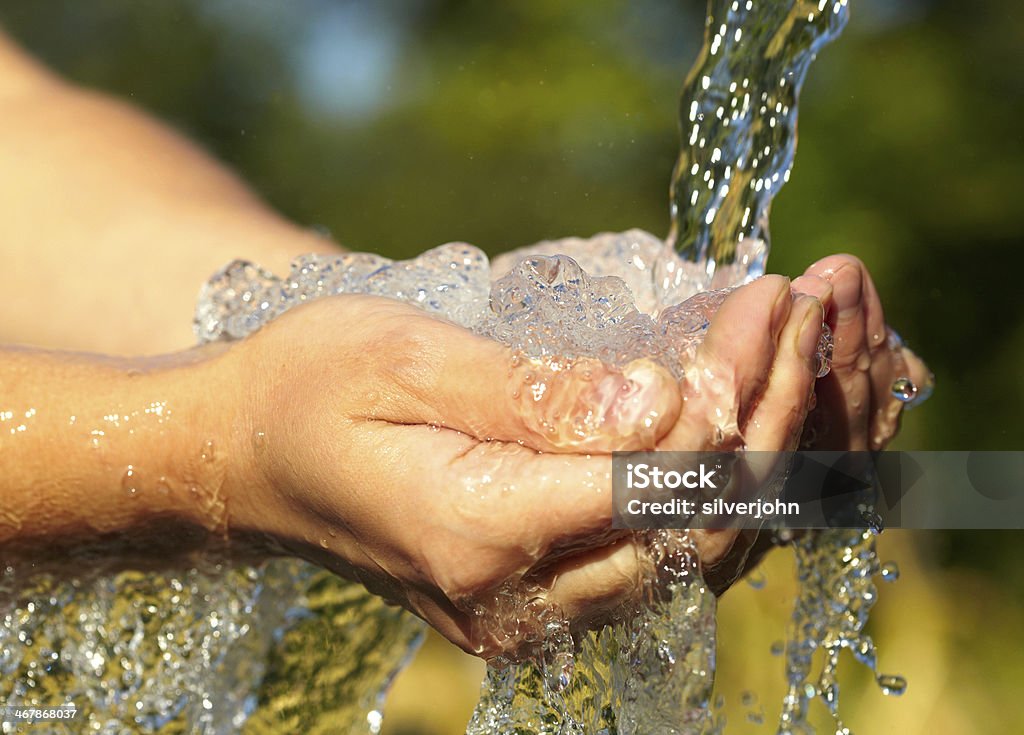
286,647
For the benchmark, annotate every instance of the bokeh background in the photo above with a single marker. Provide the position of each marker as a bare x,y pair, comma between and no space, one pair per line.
396,126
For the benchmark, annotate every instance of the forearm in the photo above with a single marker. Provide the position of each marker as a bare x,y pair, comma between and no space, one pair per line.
93,447
109,222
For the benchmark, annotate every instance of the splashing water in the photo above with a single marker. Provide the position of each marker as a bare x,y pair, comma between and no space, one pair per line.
283,646
835,571
286,646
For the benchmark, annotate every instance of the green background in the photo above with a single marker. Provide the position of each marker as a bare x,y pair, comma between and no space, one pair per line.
397,126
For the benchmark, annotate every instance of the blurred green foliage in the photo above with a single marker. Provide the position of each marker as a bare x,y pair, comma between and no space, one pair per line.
425,121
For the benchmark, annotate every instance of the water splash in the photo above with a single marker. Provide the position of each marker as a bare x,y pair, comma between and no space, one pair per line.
652,672
835,571
204,650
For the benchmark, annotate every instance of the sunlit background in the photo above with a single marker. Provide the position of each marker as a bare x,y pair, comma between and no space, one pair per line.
397,126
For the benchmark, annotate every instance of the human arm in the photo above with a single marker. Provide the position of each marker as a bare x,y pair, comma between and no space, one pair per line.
109,221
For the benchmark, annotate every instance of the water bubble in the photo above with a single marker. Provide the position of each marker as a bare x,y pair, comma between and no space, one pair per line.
890,571
903,390
892,685
559,671
824,352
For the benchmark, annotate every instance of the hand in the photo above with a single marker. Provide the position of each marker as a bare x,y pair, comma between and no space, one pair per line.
404,451
855,407
764,345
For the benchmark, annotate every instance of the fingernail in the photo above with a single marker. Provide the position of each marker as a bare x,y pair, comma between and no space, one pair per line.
846,293
819,288
810,328
781,307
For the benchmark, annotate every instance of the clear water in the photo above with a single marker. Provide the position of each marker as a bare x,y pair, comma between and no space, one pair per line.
284,646
281,647
738,124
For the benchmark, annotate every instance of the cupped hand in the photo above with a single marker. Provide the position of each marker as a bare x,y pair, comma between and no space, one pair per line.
855,406
433,466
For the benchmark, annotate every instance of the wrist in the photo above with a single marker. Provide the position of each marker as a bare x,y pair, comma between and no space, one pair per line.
130,451
187,464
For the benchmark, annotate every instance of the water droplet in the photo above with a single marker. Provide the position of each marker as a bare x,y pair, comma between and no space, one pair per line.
903,390
892,685
778,648
208,451
129,482
875,523
748,698
890,572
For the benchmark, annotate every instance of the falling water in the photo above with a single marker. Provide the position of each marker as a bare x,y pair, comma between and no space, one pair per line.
738,119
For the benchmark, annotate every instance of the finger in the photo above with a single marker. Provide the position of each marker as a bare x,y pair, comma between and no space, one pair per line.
456,625
817,287
779,417
846,395
445,375
732,365
589,587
